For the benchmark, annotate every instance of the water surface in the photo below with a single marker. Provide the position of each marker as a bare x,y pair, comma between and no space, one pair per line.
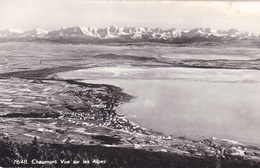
189,102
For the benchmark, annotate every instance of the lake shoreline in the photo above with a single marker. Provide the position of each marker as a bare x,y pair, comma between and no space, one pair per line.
147,140
182,96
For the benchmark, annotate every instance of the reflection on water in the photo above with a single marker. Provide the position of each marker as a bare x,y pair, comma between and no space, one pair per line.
191,106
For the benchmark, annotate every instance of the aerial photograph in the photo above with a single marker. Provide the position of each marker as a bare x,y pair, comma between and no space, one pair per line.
129,84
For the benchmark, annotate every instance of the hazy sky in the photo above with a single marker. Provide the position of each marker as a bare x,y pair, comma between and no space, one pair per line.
53,14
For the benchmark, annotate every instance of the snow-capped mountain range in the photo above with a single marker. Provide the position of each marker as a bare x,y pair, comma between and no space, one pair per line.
131,33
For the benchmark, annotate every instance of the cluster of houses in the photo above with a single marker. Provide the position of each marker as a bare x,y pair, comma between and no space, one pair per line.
99,105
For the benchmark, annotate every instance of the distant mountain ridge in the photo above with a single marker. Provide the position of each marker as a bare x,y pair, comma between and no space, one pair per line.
132,33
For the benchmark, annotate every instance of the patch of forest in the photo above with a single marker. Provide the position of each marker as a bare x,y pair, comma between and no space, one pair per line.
42,154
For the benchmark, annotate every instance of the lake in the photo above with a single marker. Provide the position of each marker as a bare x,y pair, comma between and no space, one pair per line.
190,102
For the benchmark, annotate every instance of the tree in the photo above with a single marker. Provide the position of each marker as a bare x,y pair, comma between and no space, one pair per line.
35,152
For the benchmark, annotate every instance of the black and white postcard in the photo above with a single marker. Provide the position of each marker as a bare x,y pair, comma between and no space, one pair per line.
149,84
